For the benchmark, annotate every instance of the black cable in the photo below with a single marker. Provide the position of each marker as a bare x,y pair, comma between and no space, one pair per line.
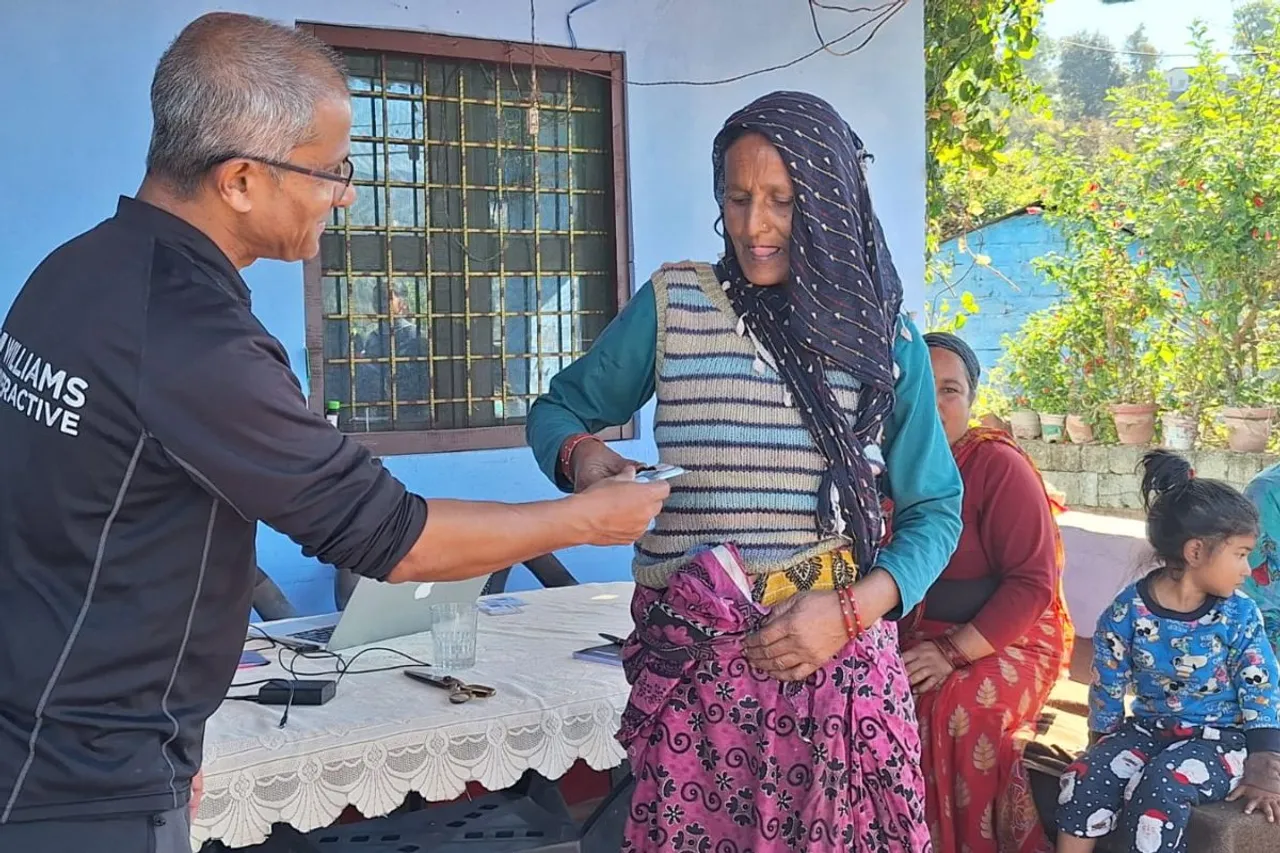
568,21
885,13
341,669
892,8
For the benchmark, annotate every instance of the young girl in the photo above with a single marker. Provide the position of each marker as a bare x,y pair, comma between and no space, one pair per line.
1206,715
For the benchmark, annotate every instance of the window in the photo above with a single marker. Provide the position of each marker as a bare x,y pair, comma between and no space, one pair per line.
487,245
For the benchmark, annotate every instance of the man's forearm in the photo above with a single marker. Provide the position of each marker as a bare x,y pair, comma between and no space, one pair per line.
465,539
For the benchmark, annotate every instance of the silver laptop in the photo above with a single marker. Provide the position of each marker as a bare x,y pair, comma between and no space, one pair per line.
376,611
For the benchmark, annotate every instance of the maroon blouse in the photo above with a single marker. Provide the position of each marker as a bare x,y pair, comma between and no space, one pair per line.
1008,533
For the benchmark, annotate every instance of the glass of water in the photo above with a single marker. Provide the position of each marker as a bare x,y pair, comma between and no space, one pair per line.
453,633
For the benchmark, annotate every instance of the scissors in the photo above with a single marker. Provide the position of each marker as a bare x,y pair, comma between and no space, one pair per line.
459,691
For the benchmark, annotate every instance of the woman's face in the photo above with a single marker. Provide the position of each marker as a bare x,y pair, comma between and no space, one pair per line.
758,201
955,397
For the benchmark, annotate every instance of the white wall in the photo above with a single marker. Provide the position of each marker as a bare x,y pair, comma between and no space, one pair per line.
77,121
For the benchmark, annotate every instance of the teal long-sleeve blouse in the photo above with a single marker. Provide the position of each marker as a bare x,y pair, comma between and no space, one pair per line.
615,379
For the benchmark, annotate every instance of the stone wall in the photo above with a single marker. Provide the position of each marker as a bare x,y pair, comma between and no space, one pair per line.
1095,476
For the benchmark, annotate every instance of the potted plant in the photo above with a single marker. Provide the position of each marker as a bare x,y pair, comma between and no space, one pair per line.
1249,420
1108,328
1079,429
1034,363
1024,420
1051,405
1179,430
1083,411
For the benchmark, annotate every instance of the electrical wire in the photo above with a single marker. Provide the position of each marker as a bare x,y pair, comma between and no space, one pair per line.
342,668
815,5
886,13
568,22
1097,48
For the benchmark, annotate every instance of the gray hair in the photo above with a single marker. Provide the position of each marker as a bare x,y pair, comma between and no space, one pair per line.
236,85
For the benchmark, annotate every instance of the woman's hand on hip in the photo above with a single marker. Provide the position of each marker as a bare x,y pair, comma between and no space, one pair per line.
927,667
799,636
593,461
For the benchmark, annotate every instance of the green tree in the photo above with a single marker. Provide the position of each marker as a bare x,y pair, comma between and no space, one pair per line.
1198,192
976,55
1141,56
1088,69
1255,22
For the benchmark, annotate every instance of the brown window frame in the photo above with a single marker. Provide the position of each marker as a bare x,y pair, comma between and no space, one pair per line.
436,46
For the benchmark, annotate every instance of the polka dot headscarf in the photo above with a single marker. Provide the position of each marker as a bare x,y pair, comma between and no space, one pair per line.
838,310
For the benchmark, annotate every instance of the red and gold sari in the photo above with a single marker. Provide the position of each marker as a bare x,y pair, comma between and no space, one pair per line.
975,726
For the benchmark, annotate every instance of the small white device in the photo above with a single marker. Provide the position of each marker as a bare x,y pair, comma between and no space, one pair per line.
659,472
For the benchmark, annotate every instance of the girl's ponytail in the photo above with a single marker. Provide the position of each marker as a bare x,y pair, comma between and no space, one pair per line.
1181,507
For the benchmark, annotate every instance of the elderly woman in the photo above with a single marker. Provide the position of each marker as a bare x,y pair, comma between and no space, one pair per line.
987,645
769,707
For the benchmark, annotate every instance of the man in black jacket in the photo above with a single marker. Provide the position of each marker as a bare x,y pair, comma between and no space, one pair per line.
149,421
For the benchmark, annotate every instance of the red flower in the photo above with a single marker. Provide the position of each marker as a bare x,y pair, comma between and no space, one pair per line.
1257,201
1093,187
1200,186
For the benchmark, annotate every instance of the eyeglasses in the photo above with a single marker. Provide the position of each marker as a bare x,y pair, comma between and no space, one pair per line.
343,177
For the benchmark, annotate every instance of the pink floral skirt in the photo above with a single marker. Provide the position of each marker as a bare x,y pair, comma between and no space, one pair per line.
730,760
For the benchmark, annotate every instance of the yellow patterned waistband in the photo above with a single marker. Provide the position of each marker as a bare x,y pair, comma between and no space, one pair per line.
832,570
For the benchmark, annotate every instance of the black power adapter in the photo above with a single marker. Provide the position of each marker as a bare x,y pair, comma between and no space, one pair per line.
282,691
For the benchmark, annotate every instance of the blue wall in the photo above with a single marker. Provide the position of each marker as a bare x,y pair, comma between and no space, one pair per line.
77,124
1007,291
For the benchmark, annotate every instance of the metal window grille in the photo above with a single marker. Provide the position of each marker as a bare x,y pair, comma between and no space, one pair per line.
480,255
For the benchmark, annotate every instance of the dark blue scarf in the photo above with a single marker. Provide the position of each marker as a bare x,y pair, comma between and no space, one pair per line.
838,311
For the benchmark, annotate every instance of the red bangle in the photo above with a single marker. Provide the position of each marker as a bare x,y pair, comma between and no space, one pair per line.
566,451
851,612
950,651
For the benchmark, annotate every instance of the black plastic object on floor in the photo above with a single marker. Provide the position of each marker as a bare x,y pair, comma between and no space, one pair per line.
602,833
531,818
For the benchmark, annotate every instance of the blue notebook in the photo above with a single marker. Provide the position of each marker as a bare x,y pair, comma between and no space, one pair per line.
609,653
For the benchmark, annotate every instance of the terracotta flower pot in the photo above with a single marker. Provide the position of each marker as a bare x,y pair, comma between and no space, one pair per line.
1135,422
991,421
1025,423
1053,428
1248,429
1079,430
1179,432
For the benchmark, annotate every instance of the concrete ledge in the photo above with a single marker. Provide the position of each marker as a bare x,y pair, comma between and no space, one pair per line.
1102,476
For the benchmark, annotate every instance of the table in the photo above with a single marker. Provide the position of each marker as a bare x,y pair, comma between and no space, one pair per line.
385,735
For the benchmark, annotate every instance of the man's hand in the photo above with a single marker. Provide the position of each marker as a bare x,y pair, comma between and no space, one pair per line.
197,790
593,461
927,667
1260,788
800,636
617,510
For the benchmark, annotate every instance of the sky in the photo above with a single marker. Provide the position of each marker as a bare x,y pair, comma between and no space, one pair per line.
1168,22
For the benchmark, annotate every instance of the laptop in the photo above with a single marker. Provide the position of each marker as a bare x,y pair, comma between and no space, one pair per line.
376,611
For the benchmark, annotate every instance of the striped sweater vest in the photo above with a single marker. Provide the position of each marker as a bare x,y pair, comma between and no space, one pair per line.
726,416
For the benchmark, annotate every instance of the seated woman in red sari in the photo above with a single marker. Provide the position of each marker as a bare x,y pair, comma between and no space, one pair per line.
989,641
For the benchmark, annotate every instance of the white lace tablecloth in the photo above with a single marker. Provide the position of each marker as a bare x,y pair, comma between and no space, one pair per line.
385,735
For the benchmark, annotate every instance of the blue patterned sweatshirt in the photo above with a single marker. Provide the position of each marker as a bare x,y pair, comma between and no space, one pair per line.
1210,667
